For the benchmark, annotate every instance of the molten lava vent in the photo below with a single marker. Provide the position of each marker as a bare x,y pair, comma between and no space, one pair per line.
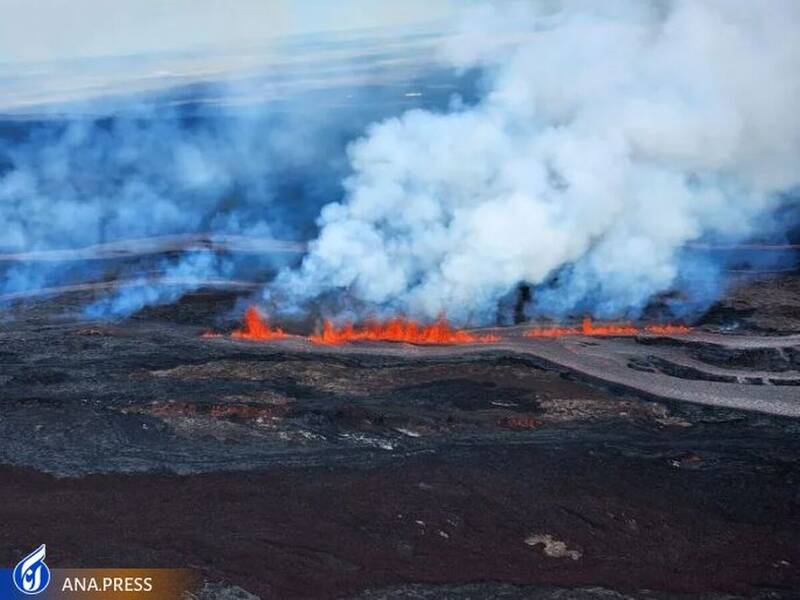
587,327
256,328
399,330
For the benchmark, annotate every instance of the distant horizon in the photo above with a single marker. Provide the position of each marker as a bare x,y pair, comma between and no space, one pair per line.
54,30
44,87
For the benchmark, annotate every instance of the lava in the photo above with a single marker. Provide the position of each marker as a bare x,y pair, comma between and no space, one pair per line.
441,332
256,328
399,330
587,327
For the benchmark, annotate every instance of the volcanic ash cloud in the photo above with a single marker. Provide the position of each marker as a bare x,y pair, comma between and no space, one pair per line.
611,134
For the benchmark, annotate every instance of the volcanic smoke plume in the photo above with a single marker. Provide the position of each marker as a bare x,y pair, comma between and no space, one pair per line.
611,135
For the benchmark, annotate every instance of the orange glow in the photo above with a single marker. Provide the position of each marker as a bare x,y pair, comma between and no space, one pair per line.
587,327
256,328
399,330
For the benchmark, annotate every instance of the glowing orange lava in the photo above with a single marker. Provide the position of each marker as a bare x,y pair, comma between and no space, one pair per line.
589,328
399,330
256,328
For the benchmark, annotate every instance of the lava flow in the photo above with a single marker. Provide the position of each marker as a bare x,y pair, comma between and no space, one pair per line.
399,330
590,329
256,328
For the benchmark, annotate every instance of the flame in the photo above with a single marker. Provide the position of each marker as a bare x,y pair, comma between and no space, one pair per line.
256,328
441,332
587,327
399,330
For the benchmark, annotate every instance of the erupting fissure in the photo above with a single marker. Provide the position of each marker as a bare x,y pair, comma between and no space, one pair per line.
256,328
399,330
587,327
441,332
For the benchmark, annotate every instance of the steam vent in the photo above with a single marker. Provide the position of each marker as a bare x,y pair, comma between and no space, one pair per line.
436,300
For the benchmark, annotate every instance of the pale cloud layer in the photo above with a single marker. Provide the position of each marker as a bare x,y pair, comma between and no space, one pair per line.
55,52
55,30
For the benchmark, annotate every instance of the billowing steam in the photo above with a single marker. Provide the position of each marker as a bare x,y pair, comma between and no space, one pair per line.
606,139
255,157
612,134
153,172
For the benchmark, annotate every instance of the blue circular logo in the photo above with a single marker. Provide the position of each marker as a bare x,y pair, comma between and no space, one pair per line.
31,575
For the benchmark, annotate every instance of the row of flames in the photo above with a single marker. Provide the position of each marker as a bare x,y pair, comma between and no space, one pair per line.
587,327
256,328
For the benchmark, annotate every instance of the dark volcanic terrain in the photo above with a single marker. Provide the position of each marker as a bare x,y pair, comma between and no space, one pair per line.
648,467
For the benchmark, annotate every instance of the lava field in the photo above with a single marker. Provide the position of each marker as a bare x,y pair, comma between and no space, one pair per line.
514,467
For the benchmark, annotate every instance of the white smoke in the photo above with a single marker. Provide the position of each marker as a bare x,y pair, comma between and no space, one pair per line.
612,134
